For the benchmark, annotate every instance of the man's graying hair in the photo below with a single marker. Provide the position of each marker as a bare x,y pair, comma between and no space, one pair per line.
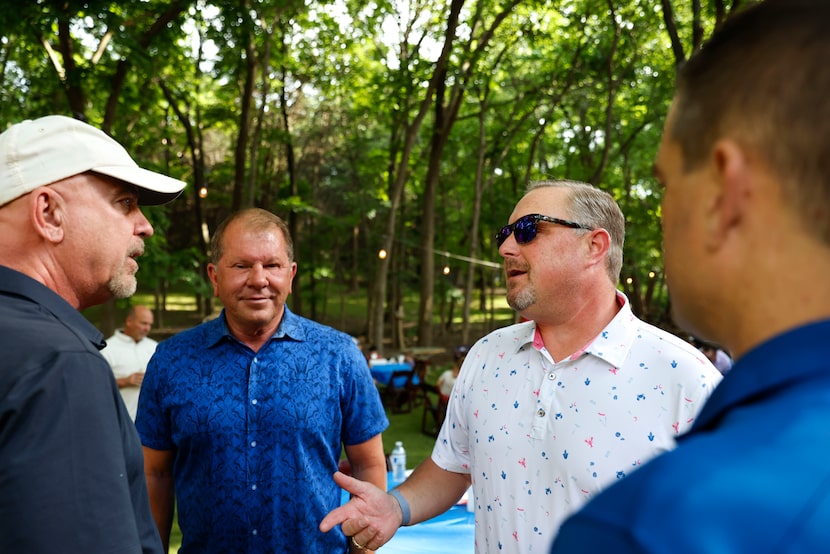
255,219
597,209
763,81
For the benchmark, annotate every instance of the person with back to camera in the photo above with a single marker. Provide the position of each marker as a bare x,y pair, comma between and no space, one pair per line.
71,231
746,236
243,418
547,412
128,351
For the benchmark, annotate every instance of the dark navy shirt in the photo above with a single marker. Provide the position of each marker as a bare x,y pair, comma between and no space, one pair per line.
71,466
257,436
752,475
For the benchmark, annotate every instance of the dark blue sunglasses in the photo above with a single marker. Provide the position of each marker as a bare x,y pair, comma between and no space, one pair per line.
525,228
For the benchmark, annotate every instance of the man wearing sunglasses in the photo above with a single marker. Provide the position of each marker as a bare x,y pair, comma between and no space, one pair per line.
547,412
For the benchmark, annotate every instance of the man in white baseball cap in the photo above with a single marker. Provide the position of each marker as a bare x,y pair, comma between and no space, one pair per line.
71,466
43,151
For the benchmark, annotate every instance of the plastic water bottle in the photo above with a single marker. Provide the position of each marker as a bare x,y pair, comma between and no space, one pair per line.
398,463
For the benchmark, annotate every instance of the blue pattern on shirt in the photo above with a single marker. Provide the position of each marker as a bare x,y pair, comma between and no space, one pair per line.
258,435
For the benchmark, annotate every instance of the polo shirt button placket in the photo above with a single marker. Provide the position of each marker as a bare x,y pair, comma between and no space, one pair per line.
541,411
544,401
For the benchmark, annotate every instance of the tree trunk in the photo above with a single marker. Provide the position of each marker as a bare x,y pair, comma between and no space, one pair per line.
246,103
401,174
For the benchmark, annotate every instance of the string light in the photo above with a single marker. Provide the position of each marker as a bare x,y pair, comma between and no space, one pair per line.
203,192
382,254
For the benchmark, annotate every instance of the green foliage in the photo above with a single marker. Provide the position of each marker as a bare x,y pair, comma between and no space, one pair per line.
569,89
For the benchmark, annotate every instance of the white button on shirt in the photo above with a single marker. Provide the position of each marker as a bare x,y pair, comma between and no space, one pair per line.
539,437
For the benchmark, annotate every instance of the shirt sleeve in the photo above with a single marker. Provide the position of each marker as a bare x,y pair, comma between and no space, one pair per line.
153,426
363,413
451,451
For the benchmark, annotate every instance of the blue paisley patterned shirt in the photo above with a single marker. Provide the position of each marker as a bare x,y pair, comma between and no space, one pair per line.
258,436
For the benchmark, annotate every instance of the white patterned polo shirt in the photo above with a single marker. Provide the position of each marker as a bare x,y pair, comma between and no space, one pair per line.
540,438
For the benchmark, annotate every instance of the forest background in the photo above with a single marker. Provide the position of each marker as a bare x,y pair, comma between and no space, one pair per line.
394,136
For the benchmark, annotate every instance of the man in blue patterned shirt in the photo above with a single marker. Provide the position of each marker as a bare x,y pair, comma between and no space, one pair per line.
243,417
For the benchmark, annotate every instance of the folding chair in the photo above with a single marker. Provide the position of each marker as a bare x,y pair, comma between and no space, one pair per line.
398,394
421,366
435,409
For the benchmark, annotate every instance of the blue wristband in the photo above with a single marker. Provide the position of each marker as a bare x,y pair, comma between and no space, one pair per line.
405,512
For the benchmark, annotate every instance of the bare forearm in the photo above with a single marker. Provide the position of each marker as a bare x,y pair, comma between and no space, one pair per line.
374,473
431,491
160,490
132,380
368,463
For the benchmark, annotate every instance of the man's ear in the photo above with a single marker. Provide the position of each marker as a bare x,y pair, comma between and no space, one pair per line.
211,271
599,245
733,182
47,211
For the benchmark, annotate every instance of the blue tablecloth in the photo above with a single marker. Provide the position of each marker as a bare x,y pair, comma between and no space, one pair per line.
453,531
383,373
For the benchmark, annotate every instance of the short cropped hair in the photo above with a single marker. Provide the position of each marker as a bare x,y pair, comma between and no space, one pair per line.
763,79
597,209
256,219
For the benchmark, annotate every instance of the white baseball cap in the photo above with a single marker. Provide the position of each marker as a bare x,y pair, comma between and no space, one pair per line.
42,151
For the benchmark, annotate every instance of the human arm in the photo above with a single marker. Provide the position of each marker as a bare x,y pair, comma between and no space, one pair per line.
131,380
158,470
368,464
126,359
372,516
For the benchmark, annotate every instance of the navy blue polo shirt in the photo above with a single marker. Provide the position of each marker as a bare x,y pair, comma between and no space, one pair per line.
752,475
71,465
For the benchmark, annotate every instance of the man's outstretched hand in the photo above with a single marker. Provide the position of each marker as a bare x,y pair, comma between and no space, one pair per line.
371,517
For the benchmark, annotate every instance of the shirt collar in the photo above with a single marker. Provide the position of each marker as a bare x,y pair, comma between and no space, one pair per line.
290,328
791,357
611,344
121,336
16,283
614,341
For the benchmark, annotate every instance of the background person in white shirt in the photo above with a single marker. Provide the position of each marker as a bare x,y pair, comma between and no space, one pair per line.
547,412
447,379
128,351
